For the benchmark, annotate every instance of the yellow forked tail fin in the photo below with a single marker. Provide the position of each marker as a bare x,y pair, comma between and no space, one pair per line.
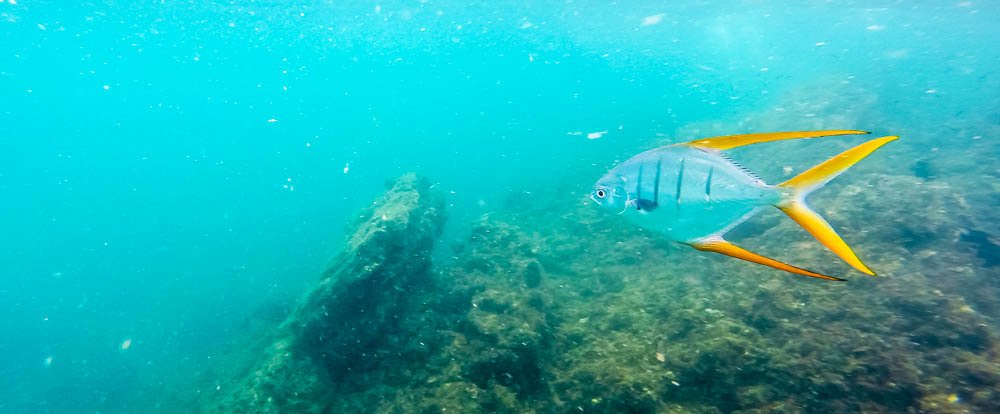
814,178
733,141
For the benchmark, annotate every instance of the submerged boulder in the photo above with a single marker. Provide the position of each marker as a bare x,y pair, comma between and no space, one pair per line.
363,293
341,327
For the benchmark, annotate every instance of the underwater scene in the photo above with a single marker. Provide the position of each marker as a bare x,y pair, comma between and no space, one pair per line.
440,206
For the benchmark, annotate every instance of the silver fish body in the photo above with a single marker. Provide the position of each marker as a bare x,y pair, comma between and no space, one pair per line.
685,192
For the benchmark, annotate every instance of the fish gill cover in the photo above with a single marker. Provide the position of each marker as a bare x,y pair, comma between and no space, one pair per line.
176,177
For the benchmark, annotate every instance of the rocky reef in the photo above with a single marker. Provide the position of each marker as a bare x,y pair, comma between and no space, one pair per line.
575,311
554,307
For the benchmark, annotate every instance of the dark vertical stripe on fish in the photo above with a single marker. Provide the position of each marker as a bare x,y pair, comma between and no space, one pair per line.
638,184
680,179
708,184
656,182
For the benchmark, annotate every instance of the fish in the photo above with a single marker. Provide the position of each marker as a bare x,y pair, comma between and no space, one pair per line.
692,193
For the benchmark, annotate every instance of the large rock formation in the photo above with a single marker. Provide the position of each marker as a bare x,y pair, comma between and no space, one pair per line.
351,320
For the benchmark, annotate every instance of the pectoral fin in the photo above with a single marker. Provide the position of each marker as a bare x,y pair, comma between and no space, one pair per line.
643,204
733,141
720,245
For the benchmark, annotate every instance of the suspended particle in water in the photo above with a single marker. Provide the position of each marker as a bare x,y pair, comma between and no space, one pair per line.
651,20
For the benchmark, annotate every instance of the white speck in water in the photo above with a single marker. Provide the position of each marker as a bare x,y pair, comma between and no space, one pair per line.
820,43
897,54
596,134
931,91
107,87
651,20
126,344
347,167
272,120
875,27
41,26
527,25
378,8
676,384
47,362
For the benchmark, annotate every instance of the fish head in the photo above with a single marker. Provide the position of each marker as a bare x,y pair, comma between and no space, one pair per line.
609,192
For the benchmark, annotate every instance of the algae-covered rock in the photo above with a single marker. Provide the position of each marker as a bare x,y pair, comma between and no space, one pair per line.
350,323
366,289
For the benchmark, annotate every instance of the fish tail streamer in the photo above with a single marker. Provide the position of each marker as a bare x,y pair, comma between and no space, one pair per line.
794,205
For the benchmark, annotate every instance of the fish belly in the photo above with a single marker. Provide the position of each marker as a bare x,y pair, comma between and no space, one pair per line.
697,193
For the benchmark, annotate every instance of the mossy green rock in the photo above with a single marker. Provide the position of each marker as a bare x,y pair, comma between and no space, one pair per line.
349,325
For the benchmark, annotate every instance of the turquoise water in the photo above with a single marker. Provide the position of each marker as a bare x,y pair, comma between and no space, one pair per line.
170,168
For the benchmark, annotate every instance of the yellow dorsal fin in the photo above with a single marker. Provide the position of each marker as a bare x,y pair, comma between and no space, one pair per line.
720,245
801,185
733,141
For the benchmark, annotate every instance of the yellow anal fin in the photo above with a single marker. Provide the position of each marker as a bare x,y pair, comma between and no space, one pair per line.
719,245
733,141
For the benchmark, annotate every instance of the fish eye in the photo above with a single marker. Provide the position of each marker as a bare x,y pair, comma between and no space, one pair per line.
601,193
